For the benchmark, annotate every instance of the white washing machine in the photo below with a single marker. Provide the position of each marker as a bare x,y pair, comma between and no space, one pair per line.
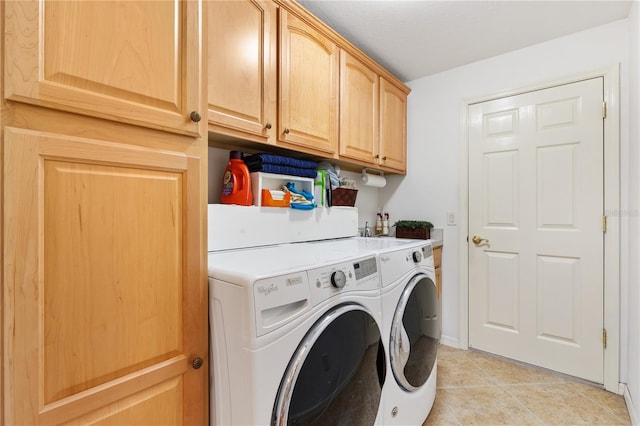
411,328
296,335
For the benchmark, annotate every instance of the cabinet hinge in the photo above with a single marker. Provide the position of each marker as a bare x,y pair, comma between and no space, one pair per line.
604,109
604,224
604,338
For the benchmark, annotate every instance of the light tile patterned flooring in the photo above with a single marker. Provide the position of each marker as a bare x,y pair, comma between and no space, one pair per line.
478,389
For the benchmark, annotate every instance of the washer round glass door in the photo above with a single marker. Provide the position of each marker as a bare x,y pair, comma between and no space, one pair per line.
335,377
415,333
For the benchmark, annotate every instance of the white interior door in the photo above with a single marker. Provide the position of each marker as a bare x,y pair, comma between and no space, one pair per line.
536,200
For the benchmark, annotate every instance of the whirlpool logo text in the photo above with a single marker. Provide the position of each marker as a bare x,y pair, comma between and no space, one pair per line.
266,290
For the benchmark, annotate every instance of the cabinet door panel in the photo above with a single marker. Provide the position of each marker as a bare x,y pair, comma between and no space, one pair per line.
308,102
242,66
393,127
131,61
158,405
104,246
117,280
358,109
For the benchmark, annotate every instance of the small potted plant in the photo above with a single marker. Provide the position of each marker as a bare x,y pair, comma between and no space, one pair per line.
415,229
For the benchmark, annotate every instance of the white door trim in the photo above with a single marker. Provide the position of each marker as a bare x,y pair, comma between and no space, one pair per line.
611,77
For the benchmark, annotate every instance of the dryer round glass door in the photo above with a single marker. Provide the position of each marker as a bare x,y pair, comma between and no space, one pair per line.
335,377
415,333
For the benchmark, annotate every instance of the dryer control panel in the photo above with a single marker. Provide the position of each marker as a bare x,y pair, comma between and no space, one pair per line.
395,264
355,275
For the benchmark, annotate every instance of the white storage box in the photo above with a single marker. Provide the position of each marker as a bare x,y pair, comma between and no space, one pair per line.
260,181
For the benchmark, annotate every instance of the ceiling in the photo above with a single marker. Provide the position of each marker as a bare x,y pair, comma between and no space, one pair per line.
413,39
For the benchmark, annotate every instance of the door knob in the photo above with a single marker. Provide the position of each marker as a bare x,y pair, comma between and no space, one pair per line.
197,363
479,240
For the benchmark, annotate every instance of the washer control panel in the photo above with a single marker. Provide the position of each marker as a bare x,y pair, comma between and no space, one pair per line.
356,275
338,279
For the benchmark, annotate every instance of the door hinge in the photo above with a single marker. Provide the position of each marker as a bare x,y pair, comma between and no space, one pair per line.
604,338
604,224
604,109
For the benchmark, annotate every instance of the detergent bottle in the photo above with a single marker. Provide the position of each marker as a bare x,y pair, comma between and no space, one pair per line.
236,181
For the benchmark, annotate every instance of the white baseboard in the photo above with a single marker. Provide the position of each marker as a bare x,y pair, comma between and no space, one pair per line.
633,415
450,341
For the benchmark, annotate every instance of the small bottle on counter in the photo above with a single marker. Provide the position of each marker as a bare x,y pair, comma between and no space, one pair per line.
385,224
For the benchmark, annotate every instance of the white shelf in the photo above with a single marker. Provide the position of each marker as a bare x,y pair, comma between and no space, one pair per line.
232,226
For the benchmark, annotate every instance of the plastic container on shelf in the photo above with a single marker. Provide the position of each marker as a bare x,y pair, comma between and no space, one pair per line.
236,182
261,181
269,200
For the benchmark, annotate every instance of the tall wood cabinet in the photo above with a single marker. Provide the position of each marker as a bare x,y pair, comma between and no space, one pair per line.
104,293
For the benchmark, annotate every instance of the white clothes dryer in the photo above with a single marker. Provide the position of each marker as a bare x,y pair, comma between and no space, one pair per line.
411,328
296,335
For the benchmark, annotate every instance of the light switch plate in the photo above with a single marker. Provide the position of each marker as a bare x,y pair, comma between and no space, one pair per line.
451,218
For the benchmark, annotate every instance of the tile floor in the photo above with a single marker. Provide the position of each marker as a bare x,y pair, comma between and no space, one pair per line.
478,389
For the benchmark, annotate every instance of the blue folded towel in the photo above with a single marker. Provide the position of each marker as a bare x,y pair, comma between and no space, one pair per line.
259,159
271,163
283,170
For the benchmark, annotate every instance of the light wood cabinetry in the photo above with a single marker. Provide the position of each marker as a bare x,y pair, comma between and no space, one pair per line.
359,110
437,263
333,101
242,78
131,61
98,237
393,127
308,87
104,291
373,117
265,61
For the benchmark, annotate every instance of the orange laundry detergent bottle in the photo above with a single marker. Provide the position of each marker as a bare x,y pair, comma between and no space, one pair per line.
236,182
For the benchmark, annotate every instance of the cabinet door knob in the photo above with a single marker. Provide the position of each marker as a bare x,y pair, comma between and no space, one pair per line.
384,158
267,126
197,363
286,131
376,156
195,116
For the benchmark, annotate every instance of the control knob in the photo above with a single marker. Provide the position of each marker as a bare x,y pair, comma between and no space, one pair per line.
417,256
338,279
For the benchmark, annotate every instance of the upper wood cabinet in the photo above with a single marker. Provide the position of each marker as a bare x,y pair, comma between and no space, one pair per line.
359,112
308,90
242,47
393,127
372,117
332,101
131,61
